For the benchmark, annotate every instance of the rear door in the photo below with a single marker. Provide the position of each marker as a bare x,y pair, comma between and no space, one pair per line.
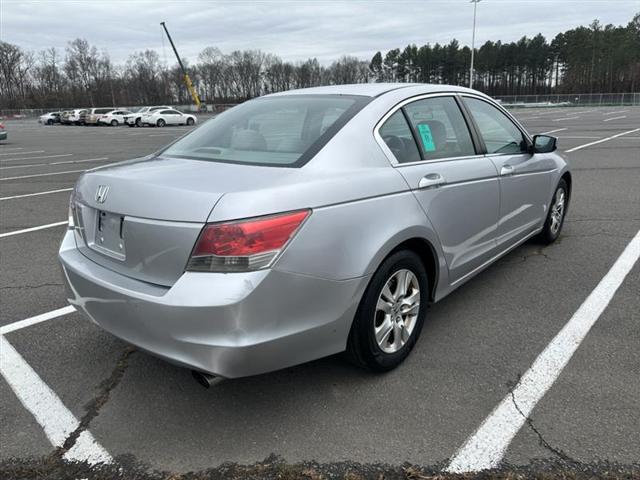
524,178
171,117
457,186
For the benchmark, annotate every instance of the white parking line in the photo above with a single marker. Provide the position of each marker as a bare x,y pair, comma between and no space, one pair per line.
613,113
487,446
13,197
31,165
565,118
614,118
32,229
577,136
580,147
40,175
554,131
43,317
12,148
23,153
36,158
46,407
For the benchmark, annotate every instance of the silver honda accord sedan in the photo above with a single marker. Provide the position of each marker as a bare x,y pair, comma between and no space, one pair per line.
307,223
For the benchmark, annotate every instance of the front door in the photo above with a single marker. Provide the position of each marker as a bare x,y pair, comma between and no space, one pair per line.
524,177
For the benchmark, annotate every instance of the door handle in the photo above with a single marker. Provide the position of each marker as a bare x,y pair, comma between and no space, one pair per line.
506,170
431,180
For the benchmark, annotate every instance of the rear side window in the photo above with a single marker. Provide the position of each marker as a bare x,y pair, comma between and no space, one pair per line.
102,110
499,133
397,135
284,130
440,128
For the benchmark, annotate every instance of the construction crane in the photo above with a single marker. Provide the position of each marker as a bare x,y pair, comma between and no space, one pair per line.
185,75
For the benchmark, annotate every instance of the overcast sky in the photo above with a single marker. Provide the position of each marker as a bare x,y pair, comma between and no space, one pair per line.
294,30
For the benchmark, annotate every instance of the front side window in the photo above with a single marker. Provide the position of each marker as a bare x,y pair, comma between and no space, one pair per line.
499,133
440,128
397,135
282,130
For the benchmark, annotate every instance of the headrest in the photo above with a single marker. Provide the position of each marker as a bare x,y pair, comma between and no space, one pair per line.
248,140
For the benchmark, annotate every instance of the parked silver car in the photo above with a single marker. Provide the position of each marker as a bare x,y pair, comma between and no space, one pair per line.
135,119
307,223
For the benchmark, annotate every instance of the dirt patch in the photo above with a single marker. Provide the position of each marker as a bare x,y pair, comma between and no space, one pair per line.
274,468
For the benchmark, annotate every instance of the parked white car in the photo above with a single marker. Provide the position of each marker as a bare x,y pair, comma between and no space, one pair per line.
114,118
93,115
160,118
73,117
135,119
50,118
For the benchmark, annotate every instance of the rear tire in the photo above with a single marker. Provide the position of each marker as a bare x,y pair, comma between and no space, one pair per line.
556,214
114,123
49,122
161,123
391,313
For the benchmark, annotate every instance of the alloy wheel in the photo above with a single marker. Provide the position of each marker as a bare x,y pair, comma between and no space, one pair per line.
397,311
557,211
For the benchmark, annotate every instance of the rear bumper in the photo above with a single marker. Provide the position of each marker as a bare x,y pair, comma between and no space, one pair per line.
232,325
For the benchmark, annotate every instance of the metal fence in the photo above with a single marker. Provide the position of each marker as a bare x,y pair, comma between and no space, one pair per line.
571,99
549,100
36,112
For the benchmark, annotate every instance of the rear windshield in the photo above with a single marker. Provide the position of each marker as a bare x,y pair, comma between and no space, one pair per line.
271,131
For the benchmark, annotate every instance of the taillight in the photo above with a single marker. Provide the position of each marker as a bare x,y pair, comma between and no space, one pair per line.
72,222
244,245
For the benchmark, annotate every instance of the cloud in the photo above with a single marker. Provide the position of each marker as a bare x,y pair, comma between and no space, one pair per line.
294,30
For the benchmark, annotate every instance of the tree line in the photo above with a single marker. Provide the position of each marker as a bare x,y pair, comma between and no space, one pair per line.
585,59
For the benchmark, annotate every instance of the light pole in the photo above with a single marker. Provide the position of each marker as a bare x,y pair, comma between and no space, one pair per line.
473,41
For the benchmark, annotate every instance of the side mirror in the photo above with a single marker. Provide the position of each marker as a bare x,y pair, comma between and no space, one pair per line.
544,144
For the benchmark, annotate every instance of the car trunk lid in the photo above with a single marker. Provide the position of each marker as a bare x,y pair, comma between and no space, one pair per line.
142,218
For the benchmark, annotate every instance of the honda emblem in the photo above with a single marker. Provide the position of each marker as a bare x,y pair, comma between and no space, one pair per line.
101,193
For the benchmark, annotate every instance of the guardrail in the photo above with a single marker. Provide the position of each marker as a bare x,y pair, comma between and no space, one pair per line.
571,99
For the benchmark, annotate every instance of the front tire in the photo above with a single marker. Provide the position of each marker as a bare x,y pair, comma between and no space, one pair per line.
138,122
556,214
190,122
391,313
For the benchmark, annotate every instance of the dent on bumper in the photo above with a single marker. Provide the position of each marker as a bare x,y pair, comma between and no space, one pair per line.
232,325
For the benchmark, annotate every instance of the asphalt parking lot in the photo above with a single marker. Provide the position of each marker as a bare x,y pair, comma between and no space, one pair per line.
475,346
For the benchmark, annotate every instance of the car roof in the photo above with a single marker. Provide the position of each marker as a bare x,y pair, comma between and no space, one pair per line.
370,89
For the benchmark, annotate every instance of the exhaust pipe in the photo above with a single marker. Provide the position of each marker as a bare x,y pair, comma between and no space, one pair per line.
205,379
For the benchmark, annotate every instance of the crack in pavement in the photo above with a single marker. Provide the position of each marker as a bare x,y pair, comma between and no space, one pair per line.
31,287
529,421
601,219
538,252
99,400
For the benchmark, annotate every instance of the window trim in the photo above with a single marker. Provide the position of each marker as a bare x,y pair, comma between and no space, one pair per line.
392,158
501,109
